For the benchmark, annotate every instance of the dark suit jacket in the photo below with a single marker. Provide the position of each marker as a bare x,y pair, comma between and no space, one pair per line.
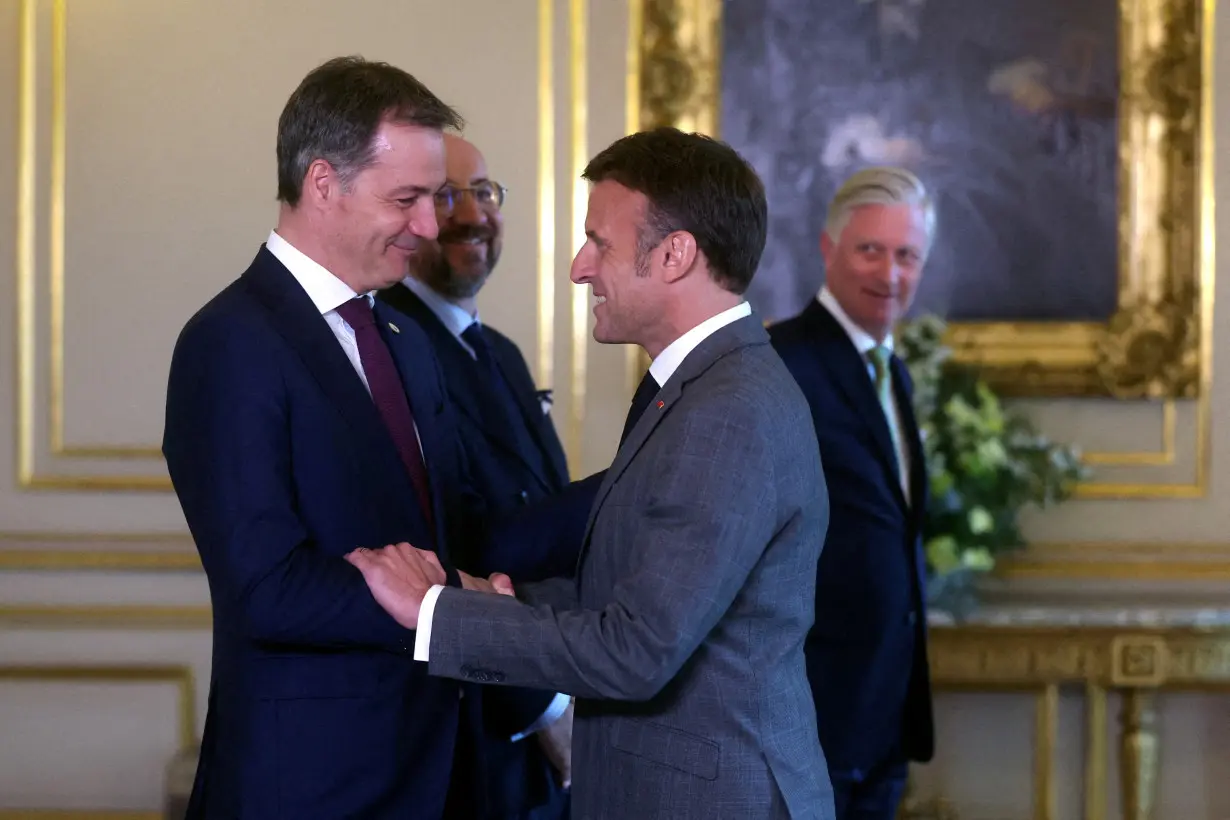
514,462
867,652
282,465
509,476
682,635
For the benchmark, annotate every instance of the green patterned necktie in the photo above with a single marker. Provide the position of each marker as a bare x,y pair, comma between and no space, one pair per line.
880,356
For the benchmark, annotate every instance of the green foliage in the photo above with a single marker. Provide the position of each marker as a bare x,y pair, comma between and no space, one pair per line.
985,462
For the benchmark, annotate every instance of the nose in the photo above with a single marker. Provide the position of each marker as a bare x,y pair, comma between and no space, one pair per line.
580,272
890,271
466,210
423,220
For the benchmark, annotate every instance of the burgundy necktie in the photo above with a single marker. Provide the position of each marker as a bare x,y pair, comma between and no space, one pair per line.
389,395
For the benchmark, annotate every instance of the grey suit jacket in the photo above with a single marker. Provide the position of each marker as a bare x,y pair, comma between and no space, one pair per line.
682,635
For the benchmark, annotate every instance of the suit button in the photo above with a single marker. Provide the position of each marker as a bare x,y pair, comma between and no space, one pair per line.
498,677
525,497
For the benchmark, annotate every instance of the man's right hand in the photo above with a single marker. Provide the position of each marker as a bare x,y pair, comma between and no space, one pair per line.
399,576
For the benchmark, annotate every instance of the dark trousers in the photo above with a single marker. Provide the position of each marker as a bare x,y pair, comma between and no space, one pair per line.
869,795
559,807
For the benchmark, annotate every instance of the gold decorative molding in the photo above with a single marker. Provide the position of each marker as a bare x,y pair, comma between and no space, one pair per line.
1134,661
679,64
1167,561
996,657
79,814
28,476
105,617
1158,344
1096,753
97,560
636,362
89,551
1046,728
181,676
1163,457
578,29
546,193
174,552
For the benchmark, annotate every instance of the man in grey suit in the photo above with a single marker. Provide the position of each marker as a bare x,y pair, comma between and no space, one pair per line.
681,635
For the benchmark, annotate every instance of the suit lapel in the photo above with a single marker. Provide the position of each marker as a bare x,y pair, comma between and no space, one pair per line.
461,375
919,488
308,333
526,397
419,374
849,371
737,334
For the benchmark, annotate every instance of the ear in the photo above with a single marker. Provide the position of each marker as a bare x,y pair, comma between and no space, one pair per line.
827,247
321,184
678,253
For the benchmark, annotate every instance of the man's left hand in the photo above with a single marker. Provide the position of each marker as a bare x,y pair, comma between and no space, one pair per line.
498,583
399,576
556,742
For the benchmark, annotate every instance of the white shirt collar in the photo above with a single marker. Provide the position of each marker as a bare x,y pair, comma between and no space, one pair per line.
863,341
325,290
668,360
455,318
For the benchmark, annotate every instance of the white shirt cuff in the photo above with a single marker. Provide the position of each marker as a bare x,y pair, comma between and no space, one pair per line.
422,635
554,711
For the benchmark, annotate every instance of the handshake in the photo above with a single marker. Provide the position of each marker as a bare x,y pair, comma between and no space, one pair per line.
400,575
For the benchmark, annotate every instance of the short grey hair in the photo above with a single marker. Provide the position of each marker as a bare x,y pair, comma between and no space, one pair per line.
880,185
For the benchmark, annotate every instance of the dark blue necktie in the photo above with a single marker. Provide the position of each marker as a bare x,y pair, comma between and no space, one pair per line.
645,391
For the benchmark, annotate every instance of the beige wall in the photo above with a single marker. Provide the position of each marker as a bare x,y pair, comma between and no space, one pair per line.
169,184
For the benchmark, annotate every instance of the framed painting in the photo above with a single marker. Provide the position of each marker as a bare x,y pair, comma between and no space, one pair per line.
1066,146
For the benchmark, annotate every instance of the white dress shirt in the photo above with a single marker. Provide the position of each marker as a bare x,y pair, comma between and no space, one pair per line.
662,368
456,319
325,290
668,361
864,344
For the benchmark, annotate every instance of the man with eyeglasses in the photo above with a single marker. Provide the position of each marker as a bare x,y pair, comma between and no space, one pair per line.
514,454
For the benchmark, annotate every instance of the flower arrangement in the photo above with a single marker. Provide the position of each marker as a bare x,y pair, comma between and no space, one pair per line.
984,462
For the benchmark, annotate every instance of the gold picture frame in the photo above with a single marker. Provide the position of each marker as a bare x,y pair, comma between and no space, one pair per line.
1158,343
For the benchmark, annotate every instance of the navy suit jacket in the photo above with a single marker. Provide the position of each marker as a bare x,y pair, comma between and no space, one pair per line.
867,652
509,471
509,476
282,465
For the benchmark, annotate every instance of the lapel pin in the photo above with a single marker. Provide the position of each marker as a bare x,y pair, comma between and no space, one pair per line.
661,404
394,328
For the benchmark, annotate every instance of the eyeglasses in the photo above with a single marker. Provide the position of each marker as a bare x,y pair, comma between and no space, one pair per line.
488,195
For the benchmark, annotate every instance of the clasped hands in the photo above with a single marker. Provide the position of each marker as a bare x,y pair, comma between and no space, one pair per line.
399,576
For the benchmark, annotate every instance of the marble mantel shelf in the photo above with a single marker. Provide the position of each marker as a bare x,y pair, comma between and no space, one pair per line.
1101,647
1088,616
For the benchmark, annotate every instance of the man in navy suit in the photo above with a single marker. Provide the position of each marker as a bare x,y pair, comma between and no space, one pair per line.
514,454
867,651
304,420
